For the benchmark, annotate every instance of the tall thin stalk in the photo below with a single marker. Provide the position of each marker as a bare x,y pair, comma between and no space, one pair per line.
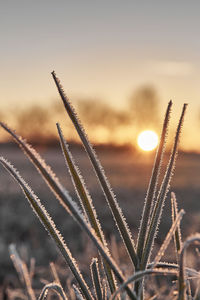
177,234
96,279
168,237
87,203
157,212
148,205
112,202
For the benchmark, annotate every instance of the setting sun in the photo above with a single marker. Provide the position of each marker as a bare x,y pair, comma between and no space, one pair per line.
147,140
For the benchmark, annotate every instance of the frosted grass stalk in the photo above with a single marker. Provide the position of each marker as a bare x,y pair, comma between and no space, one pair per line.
54,273
50,226
77,293
182,276
112,202
140,274
86,202
177,235
157,212
165,265
149,200
45,170
105,289
197,292
96,279
22,270
55,287
168,237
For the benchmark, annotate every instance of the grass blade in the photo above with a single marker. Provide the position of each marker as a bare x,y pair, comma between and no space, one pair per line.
105,290
148,205
197,292
77,293
45,170
182,276
177,235
140,274
86,202
22,270
157,212
165,265
96,279
55,287
54,273
168,237
80,187
50,226
17,262
112,202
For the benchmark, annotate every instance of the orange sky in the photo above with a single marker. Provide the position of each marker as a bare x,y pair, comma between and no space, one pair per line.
102,50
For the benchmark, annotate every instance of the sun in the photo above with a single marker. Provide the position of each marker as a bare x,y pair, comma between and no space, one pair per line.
147,140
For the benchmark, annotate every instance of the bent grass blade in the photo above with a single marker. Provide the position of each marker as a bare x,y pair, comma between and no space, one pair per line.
141,274
182,276
55,287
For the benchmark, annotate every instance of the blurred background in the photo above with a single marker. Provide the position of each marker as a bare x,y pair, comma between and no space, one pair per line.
109,54
120,63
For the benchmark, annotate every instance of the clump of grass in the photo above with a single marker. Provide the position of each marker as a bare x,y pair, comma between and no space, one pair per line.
108,280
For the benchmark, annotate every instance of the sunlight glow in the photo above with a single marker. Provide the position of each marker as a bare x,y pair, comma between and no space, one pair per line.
147,140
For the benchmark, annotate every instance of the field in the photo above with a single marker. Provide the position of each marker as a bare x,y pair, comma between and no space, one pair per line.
128,174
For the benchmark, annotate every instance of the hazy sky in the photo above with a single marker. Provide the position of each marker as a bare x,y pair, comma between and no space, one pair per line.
101,49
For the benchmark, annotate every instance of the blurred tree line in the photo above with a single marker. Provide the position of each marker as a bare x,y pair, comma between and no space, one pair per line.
103,122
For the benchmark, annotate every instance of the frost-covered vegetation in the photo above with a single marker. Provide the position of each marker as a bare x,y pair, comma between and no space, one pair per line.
108,279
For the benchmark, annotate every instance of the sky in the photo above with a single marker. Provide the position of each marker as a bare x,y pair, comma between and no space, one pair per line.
102,50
